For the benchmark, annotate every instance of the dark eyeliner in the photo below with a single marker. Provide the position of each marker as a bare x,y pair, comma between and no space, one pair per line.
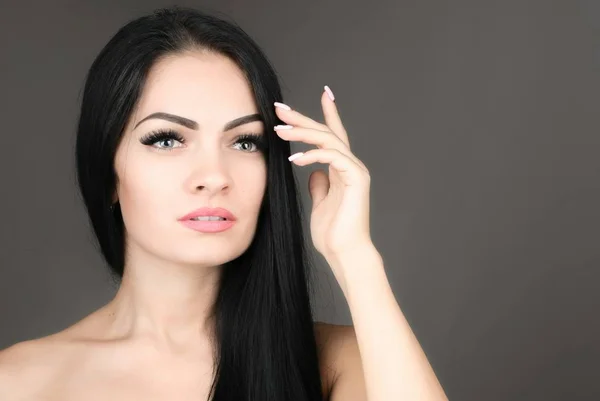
257,139
161,135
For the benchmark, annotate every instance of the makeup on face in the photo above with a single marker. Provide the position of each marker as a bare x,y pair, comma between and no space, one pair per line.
209,220
257,140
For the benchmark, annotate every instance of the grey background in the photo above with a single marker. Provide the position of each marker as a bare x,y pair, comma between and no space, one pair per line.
478,121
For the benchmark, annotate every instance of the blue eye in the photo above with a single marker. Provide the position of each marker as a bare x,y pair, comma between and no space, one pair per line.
162,135
254,139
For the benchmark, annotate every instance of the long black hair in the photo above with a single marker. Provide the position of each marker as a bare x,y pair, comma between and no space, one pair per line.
265,346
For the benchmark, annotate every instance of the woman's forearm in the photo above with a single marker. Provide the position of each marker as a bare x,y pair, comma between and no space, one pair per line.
394,364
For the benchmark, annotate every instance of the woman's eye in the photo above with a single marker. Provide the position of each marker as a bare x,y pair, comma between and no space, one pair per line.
251,143
167,147
164,139
169,140
246,144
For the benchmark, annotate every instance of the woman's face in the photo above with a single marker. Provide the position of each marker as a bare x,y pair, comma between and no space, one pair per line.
160,181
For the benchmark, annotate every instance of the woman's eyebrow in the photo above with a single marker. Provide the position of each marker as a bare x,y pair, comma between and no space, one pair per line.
191,124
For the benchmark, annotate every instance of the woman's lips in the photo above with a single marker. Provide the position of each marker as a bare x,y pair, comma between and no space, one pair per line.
206,226
208,211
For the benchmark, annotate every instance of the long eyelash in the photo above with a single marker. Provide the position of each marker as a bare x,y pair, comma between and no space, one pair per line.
161,135
257,139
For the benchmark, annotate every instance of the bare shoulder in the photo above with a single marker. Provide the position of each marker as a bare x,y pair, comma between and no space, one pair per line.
22,358
340,353
29,363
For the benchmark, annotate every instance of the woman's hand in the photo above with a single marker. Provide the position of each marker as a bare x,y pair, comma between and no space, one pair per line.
339,221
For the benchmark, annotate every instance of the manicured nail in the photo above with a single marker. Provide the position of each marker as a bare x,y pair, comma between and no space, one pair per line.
329,93
278,127
295,156
283,106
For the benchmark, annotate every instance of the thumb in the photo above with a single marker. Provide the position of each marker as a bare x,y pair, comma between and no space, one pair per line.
318,186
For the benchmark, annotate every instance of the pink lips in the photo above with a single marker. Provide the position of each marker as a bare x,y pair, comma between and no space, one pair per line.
209,226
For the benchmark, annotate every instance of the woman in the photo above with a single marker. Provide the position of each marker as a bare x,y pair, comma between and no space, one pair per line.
191,195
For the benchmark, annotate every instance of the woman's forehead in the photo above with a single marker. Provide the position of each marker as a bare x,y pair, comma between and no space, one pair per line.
204,88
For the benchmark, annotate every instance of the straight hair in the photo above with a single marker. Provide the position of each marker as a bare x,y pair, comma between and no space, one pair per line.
265,346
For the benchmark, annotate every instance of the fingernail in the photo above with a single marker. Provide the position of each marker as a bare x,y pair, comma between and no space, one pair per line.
283,106
329,93
295,156
277,127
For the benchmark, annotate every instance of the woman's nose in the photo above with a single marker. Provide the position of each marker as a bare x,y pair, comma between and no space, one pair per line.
210,174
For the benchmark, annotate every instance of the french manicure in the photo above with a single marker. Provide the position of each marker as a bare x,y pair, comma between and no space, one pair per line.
283,106
329,93
278,127
295,156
